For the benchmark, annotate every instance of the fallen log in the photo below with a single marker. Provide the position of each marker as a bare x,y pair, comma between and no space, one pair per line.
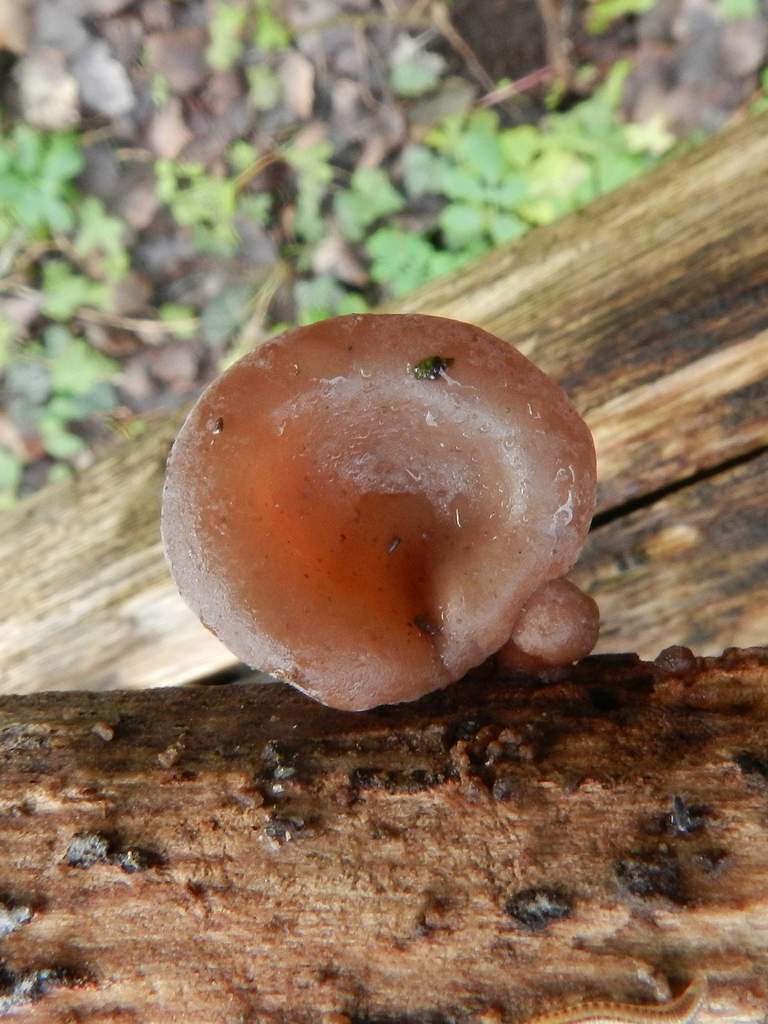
239,853
649,306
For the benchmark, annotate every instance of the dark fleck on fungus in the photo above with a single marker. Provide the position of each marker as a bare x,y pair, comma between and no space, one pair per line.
536,909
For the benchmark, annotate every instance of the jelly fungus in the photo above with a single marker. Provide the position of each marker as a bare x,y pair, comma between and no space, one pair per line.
370,506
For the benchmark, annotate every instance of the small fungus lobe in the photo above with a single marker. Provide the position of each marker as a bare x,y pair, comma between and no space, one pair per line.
337,453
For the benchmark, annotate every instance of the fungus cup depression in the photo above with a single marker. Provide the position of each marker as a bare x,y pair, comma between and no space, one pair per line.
371,506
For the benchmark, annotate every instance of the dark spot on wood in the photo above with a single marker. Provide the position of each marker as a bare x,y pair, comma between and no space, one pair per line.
18,988
605,700
280,759
468,728
12,916
505,788
685,819
412,780
610,661
711,860
284,830
751,764
87,849
536,909
651,873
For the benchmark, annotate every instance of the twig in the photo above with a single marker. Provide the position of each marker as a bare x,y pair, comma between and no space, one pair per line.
252,333
557,43
442,22
520,85
246,176
364,21
153,331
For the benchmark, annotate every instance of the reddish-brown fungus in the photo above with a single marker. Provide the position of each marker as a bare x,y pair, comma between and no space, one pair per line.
367,508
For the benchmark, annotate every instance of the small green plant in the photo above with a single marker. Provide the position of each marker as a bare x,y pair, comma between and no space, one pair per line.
37,192
65,252
234,23
208,204
736,10
603,13
60,381
760,105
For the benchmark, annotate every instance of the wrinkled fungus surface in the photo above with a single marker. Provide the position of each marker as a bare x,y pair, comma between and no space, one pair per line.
366,506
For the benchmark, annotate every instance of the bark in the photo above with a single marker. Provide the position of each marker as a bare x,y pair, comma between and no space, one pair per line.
239,853
649,307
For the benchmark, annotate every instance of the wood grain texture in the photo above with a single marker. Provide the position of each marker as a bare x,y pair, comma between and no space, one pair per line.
650,306
692,568
240,854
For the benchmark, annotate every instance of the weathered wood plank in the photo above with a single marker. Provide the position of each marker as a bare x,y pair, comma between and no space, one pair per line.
240,854
651,307
690,569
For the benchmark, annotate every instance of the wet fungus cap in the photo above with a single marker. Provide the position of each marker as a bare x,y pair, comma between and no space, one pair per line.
365,506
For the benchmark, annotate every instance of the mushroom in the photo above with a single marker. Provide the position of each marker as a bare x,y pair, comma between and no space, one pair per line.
370,506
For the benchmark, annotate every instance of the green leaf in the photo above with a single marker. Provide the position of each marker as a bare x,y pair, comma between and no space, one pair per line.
100,233
352,302
63,159
160,89
64,291
271,33
256,207
558,174
226,30
318,298
59,473
614,167
462,224
736,10
520,145
504,227
242,155
180,320
75,367
422,170
370,197
309,223
416,72
400,261
7,339
461,184
264,89
57,440
510,193
479,146
650,136
603,13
